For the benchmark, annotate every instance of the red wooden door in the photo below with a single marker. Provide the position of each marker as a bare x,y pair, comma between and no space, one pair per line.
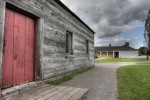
18,55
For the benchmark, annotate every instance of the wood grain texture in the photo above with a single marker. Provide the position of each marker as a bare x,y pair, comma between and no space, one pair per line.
2,23
7,69
52,23
39,49
18,49
79,94
61,94
70,94
29,50
50,93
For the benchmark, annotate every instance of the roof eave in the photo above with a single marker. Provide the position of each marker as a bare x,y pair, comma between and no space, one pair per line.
73,14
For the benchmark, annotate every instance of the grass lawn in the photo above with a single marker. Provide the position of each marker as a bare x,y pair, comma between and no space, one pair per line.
69,77
134,82
121,60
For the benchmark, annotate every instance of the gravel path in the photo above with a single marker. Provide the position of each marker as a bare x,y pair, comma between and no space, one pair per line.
101,81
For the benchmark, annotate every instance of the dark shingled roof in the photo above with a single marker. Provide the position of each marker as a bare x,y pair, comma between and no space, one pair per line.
115,48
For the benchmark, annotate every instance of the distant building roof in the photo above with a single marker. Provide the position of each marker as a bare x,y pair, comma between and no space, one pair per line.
125,47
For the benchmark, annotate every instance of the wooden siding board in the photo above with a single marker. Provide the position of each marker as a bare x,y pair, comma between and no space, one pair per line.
26,7
69,23
54,60
55,24
54,10
53,42
70,16
50,65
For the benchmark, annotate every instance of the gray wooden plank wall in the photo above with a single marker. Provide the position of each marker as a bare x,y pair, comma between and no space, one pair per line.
56,22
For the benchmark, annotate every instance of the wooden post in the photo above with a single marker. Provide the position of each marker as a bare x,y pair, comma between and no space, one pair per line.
2,22
107,54
39,49
113,54
100,54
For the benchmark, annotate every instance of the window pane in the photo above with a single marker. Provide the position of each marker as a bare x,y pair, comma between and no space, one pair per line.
69,43
87,47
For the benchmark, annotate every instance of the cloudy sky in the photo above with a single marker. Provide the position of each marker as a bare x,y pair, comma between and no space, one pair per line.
114,21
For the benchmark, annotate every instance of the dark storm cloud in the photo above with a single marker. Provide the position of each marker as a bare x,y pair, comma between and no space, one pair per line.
110,17
117,41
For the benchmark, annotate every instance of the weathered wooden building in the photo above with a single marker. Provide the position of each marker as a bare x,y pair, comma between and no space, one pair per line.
41,39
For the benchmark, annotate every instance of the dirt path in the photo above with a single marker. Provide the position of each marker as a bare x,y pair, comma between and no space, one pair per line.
101,81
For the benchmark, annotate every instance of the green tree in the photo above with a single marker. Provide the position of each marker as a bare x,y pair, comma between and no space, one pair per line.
143,51
148,52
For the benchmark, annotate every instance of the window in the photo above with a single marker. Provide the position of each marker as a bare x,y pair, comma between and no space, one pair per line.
69,42
87,47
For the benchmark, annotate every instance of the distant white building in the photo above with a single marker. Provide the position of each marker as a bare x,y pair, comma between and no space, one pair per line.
124,51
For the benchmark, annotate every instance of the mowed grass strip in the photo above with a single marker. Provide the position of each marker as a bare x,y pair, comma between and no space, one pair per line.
134,82
70,76
121,60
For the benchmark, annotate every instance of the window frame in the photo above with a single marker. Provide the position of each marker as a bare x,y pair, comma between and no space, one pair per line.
87,47
69,45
